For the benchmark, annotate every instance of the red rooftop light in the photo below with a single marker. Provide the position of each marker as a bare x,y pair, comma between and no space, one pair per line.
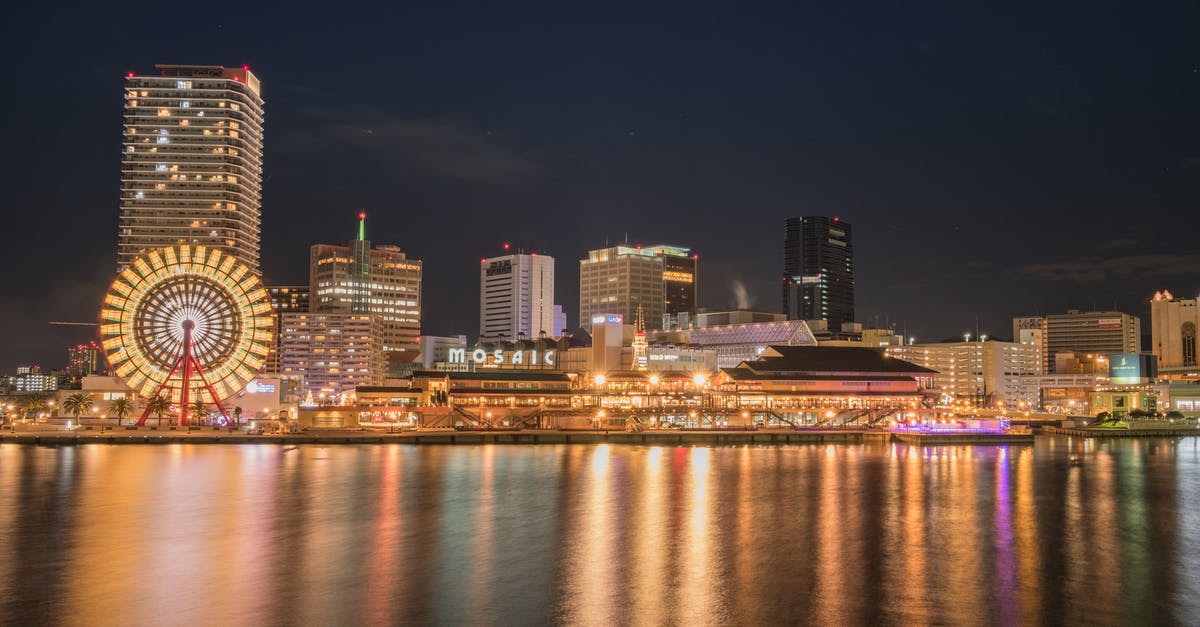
130,75
246,67
506,246
362,215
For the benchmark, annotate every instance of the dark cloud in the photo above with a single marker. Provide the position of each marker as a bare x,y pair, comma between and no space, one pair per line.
1119,268
1038,105
447,149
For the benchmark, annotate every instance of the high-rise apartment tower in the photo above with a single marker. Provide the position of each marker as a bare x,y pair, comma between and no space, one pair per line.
191,172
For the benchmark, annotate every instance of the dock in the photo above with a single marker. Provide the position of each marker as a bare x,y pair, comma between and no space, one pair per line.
1132,432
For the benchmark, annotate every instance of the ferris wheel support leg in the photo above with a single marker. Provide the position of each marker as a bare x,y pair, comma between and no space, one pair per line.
146,412
185,387
211,391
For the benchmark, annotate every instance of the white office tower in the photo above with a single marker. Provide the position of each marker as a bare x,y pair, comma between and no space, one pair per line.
191,172
516,297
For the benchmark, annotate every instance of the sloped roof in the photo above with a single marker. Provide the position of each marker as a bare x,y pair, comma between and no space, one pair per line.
829,359
746,374
788,332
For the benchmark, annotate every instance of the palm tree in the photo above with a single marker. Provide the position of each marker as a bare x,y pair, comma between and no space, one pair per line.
199,411
158,406
237,417
120,407
34,404
79,403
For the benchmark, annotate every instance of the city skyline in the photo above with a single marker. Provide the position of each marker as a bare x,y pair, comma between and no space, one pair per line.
982,186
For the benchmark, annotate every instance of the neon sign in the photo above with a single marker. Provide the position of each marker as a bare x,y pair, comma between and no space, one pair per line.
516,358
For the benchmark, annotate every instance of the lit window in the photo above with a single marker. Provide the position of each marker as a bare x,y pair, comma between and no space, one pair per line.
139,195
183,84
185,104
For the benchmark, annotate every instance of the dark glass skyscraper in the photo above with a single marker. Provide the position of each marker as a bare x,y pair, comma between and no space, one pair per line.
818,270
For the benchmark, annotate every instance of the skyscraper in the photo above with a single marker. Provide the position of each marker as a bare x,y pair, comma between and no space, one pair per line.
191,171
818,270
614,281
378,280
516,296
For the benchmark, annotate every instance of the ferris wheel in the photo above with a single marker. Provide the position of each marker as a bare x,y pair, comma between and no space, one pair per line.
188,323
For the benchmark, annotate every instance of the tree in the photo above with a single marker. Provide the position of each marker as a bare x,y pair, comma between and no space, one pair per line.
237,416
76,404
199,411
1175,415
34,404
1138,413
120,407
158,406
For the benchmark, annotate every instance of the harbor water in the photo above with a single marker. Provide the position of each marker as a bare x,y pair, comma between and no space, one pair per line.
1068,530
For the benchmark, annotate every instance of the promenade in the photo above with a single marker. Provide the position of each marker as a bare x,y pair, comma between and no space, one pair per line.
658,437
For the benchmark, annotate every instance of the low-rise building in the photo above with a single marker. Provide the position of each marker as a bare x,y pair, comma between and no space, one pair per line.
982,373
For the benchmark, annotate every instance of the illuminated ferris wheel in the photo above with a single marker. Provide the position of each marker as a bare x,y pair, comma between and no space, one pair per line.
188,323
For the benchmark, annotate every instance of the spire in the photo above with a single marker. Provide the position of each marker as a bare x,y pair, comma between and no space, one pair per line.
362,225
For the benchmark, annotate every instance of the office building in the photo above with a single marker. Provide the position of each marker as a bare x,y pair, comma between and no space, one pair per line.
1173,324
680,280
818,270
379,280
614,281
516,296
191,171
560,321
435,348
331,353
284,299
1095,332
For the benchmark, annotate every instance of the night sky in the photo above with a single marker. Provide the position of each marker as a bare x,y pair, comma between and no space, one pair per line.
993,162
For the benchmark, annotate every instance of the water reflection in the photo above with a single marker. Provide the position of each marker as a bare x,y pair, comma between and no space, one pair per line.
1068,531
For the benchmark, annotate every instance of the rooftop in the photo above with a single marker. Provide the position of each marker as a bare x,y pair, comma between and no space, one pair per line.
815,360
